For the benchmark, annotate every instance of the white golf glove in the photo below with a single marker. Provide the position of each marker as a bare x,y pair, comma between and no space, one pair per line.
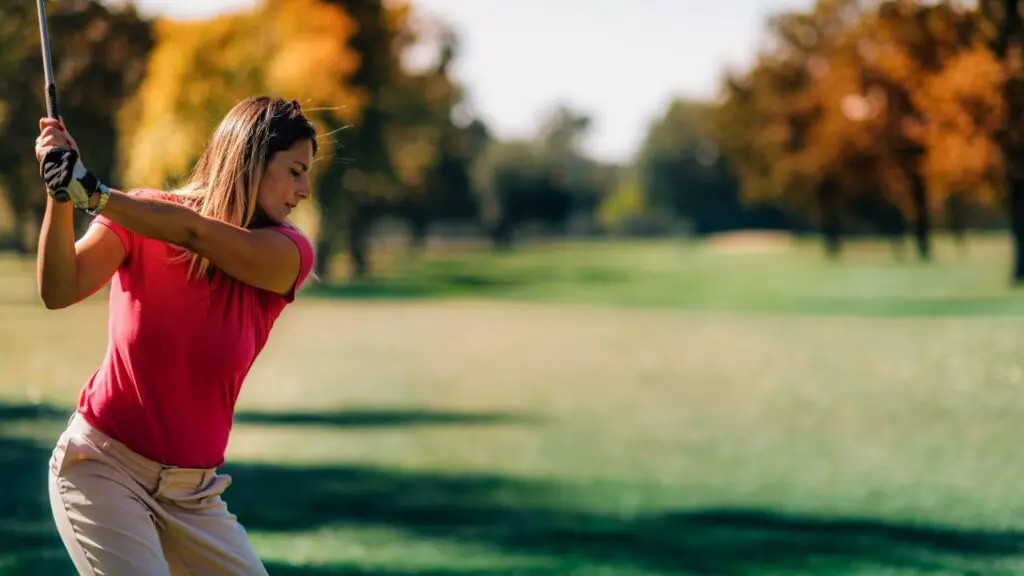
67,179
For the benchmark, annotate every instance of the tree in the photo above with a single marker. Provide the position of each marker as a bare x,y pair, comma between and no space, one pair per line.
99,57
546,179
940,100
432,139
201,68
793,125
867,105
1000,29
683,173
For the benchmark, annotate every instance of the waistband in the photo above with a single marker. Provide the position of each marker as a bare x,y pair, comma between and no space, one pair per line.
152,475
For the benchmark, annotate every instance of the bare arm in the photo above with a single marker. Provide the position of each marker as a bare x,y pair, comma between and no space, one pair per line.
265,259
68,272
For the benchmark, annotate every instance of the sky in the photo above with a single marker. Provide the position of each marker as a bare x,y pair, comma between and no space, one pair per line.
619,61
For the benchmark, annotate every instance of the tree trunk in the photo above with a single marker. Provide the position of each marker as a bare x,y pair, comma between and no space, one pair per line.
359,225
1015,205
1009,35
831,220
958,218
922,218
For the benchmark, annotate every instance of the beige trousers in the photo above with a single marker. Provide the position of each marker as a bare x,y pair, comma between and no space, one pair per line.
120,514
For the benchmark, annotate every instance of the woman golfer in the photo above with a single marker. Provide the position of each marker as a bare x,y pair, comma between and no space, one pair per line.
198,277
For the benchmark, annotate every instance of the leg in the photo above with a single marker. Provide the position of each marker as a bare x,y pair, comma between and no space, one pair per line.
202,536
106,529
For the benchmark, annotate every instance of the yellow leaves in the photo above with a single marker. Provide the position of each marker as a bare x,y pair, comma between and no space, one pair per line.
199,69
196,72
311,60
413,150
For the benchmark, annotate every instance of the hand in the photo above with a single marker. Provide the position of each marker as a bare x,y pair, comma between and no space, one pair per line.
53,135
61,167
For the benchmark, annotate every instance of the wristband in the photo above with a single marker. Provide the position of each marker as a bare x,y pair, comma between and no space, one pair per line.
104,193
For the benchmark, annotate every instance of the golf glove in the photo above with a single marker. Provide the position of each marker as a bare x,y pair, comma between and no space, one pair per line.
67,179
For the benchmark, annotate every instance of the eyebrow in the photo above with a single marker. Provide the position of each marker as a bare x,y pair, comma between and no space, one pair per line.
300,163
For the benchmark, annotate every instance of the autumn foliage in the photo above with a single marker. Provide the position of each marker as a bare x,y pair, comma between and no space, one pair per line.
861,103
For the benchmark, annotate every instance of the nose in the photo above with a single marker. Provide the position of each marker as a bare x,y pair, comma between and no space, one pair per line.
302,190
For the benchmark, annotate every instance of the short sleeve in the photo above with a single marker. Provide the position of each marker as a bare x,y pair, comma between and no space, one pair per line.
127,237
306,257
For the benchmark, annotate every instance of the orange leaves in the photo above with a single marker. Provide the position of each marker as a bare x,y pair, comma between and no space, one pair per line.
964,107
200,69
311,60
196,71
867,98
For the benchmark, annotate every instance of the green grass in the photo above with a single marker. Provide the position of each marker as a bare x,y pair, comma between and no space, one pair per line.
868,280
598,410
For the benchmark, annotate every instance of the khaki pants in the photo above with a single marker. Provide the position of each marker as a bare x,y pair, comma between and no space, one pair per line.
121,514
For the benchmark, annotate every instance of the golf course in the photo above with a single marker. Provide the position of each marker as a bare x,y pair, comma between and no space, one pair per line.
597,409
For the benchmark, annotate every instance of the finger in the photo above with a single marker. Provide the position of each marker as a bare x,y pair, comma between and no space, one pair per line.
49,130
50,143
52,139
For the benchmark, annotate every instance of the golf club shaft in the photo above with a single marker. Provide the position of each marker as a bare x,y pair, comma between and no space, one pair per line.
44,40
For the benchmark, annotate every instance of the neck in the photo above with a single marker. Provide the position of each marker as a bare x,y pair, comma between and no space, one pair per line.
260,220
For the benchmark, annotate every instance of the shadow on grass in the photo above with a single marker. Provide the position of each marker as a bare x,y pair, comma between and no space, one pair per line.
879,307
380,418
28,540
449,279
458,285
13,412
523,517
907,307
279,569
355,418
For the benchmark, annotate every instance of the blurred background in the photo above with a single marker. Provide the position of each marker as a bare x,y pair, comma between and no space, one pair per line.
604,287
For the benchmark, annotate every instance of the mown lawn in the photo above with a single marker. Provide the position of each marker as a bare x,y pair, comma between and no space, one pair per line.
598,410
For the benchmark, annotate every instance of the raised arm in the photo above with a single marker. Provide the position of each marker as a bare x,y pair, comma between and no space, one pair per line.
264,258
68,271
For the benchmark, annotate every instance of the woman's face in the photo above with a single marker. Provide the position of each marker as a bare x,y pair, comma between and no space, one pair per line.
285,182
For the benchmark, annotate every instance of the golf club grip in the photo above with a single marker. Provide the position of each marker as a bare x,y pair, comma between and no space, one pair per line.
51,101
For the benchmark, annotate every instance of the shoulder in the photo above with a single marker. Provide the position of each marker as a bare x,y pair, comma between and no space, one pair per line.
307,255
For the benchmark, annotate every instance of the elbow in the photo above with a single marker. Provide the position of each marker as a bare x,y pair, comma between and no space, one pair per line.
55,295
53,301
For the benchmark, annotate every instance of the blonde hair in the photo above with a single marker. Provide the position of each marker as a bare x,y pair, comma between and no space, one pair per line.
226,179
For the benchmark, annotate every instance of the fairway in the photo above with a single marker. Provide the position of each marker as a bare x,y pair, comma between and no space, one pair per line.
607,409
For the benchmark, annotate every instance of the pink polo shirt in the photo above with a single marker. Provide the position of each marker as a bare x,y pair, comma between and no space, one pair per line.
178,351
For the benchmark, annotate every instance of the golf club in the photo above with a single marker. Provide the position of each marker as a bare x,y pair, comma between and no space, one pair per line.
44,40
51,88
